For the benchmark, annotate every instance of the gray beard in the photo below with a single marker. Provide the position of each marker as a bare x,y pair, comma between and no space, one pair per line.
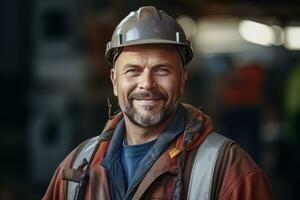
148,120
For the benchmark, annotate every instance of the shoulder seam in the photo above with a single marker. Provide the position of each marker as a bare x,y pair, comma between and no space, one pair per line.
239,181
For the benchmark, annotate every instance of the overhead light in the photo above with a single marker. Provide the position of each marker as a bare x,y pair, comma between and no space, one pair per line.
279,39
188,25
218,35
292,37
257,33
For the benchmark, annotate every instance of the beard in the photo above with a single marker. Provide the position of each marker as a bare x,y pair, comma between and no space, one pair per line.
148,117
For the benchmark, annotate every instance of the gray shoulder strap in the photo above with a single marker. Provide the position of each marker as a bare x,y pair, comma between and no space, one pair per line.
203,167
86,153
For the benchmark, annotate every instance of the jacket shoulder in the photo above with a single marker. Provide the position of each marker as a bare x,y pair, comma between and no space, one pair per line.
57,186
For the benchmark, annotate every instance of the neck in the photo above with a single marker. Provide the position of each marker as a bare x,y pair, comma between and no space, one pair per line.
138,135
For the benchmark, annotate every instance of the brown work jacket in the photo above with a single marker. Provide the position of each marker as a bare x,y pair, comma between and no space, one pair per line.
243,179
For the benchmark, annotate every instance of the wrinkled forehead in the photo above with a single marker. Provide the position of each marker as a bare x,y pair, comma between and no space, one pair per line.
138,54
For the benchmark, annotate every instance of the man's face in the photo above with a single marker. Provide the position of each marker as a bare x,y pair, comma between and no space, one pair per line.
148,81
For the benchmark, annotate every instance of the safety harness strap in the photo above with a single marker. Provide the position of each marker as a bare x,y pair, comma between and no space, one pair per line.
85,153
201,180
203,169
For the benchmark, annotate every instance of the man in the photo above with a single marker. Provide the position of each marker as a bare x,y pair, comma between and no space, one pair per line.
156,148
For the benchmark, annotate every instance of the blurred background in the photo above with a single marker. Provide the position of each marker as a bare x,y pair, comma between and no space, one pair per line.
55,83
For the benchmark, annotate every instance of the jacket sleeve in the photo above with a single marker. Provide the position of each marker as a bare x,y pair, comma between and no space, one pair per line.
57,187
244,179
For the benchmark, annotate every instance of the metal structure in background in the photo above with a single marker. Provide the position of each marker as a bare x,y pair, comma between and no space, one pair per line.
57,87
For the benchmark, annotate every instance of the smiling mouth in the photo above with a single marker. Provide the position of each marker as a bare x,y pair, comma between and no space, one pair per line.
149,101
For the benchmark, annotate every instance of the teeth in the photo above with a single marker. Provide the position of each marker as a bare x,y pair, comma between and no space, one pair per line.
147,99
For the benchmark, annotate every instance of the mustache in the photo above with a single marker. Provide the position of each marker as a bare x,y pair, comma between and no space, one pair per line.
148,94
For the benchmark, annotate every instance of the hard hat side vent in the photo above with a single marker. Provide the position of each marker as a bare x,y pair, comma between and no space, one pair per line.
178,37
120,39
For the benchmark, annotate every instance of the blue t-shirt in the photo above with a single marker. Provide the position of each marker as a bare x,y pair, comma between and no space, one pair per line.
132,156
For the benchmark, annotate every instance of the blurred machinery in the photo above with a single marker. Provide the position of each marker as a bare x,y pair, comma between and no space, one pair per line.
57,86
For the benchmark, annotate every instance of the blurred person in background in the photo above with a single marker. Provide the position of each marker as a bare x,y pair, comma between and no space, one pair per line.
156,147
242,97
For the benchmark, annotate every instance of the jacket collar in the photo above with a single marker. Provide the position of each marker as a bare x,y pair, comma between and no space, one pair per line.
188,119
175,127
194,121
115,144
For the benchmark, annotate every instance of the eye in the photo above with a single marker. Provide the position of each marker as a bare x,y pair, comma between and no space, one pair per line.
132,71
162,71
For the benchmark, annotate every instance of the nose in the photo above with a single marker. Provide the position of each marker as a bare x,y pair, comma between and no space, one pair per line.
147,80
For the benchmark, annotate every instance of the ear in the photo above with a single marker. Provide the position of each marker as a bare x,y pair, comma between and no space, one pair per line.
113,78
184,77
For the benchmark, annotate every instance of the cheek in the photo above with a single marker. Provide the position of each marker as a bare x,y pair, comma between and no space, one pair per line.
124,87
171,86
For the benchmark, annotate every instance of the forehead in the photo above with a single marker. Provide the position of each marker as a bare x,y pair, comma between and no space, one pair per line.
148,54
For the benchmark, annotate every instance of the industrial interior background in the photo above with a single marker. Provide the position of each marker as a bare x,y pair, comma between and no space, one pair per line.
54,81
